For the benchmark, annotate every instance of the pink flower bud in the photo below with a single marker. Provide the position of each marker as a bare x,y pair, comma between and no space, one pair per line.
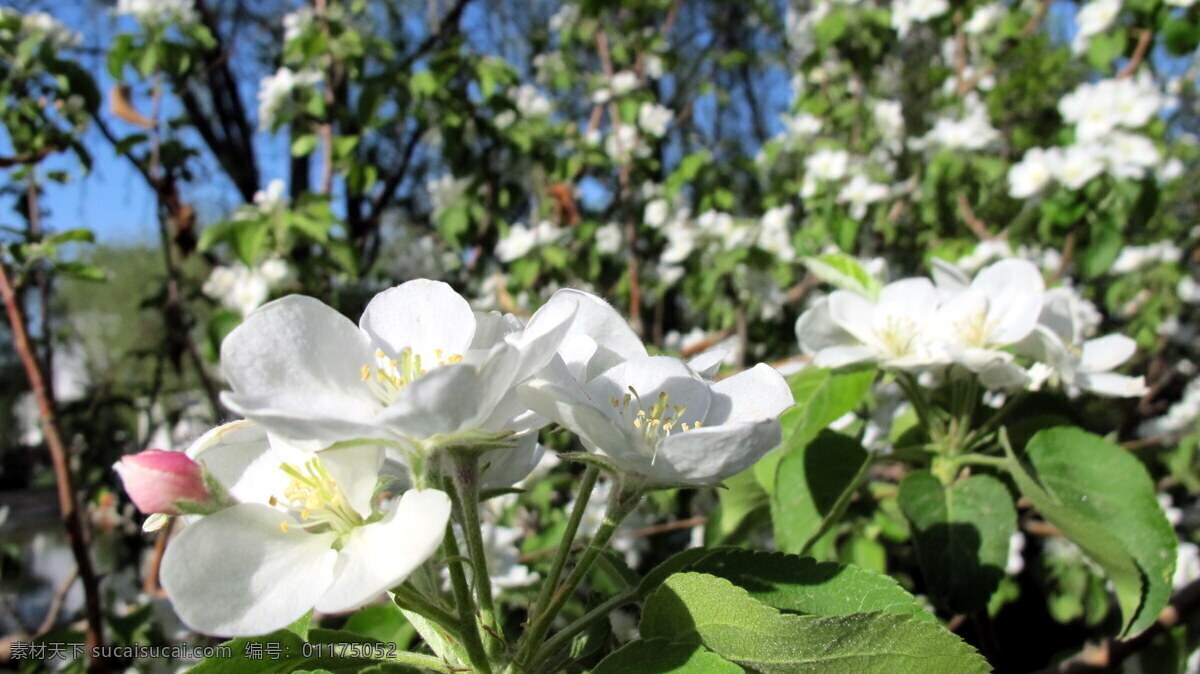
157,479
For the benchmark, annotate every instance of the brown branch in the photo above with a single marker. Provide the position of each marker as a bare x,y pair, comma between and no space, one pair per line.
707,343
663,528
56,604
1139,54
976,225
68,500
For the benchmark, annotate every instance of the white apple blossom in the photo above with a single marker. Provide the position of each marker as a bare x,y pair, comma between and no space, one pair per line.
654,119
275,90
860,192
1092,19
984,18
157,12
1076,165
1130,155
907,12
609,239
972,131
420,365
530,102
893,330
998,309
623,82
1028,176
1133,258
307,533
656,213
827,164
657,419
1059,341
520,240
774,235
296,23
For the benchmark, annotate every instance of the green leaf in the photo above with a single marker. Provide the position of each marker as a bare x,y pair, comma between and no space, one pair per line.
80,234
300,627
1103,499
653,656
962,535
821,397
1105,47
804,585
384,622
710,611
81,271
814,484
304,144
744,505
843,272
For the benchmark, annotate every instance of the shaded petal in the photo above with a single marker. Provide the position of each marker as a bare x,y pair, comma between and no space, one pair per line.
1112,385
296,361
708,363
914,299
505,467
610,337
425,316
815,329
750,395
705,456
381,555
239,456
648,377
840,356
236,573
568,405
1014,289
1105,353
356,472
444,400
853,313
491,328
948,278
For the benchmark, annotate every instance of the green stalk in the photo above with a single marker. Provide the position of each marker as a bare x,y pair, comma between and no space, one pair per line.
620,504
414,601
466,482
418,660
466,608
600,612
568,541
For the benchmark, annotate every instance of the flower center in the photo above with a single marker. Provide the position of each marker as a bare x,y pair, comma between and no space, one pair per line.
314,496
390,375
896,336
655,422
975,330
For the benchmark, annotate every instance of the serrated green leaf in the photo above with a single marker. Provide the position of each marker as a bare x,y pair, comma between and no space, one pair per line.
843,272
962,534
1103,499
710,611
804,585
814,483
655,656
821,397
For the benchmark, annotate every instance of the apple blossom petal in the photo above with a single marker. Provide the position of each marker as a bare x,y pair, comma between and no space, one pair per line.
599,337
1111,385
296,360
240,457
912,298
491,327
306,424
381,555
948,278
1105,353
750,395
425,316
544,332
502,468
1014,289
356,471
853,313
705,456
237,573
569,406
444,400
815,329
648,377
840,356
708,363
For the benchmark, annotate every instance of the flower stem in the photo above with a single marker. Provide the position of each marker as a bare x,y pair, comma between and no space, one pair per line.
468,631
568,540
418,660
560,640
466,482
912,390
620,504
414,601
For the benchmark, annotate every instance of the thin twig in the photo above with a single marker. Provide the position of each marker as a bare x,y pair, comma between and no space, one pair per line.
976,225
56,603
1139,54
68,500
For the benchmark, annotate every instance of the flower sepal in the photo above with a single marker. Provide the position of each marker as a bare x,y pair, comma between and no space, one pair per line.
467,442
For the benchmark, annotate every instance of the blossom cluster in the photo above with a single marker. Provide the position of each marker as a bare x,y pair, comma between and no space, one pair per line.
984,325
328,492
